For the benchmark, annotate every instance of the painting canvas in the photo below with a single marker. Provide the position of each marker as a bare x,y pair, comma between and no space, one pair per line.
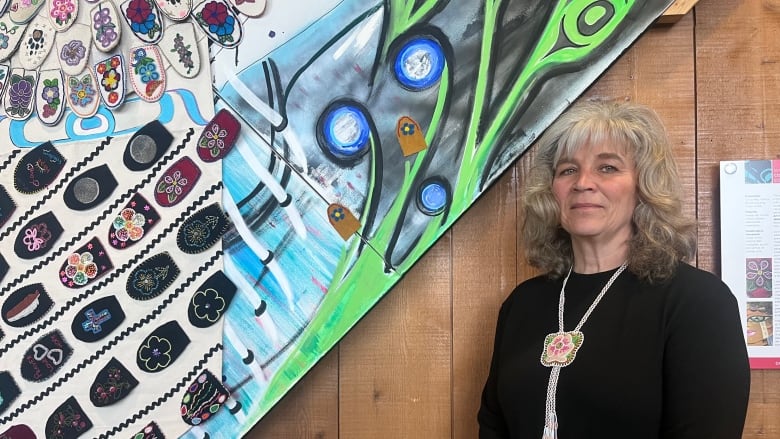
394,114
348,136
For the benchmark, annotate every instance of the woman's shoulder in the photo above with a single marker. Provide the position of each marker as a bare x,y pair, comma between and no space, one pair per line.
692,284
532,287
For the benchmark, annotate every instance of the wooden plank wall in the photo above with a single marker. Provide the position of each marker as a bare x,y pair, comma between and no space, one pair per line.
415,366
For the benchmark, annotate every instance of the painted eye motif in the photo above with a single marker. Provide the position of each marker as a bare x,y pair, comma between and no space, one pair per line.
419,63
433,197
344,131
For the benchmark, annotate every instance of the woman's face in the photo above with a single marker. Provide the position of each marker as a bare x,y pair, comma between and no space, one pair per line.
596,194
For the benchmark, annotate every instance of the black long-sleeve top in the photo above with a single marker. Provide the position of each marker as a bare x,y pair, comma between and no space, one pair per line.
658,361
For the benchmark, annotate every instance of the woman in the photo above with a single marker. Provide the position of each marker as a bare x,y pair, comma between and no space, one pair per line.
620,338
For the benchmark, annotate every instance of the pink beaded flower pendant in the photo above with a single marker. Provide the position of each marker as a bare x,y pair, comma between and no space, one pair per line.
560,348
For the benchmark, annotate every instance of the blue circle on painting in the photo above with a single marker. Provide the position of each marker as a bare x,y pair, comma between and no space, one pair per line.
419,64
346,131
433,196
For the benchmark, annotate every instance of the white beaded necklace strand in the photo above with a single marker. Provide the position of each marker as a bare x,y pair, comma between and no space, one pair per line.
561,347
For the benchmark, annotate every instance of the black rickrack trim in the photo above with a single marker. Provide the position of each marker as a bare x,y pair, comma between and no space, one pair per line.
57,187
118,338
98,220
167,395
10,158
105,281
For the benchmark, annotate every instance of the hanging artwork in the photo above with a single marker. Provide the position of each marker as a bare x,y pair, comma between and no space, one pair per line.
363,136
348,139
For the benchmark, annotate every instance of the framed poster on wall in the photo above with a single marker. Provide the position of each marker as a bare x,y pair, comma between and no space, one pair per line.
750,251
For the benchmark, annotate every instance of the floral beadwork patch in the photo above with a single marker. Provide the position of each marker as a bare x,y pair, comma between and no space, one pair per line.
90,188
85,265
63,13
22,11
218,137
560,348
98,319
10,37
112,383
132,223
38,236
410,136
9,391
203,398
19,95
45,357
152,277
143,19
72,49
162,347
106,29
147,146
26,305
49,97
176,182
219,23
38,169
147,73
202,230
345,223
179,45
111,79
68,421
211,301
82,94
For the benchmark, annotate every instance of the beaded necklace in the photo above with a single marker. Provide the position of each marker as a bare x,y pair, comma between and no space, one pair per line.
561,347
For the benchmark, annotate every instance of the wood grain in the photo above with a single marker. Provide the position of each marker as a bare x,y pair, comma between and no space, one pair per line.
738,107
395,366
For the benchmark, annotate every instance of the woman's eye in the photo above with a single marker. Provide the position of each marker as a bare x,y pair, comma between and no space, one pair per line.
608,168
566,171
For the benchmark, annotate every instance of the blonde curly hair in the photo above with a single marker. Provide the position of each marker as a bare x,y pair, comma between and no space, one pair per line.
662,235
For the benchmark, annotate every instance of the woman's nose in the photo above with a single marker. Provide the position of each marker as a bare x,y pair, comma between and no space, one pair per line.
584,181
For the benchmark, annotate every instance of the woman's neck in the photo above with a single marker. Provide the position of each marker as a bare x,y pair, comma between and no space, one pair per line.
590,258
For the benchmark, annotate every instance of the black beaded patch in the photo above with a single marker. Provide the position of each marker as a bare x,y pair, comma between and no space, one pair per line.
90,188
162,347
146,146
152,277
45,357
38,236
7,206
211,301
85,265
38,169
3,267
112,384
67,422
203,399
202,230
132,223
26,305
9,391
96,320
151,431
